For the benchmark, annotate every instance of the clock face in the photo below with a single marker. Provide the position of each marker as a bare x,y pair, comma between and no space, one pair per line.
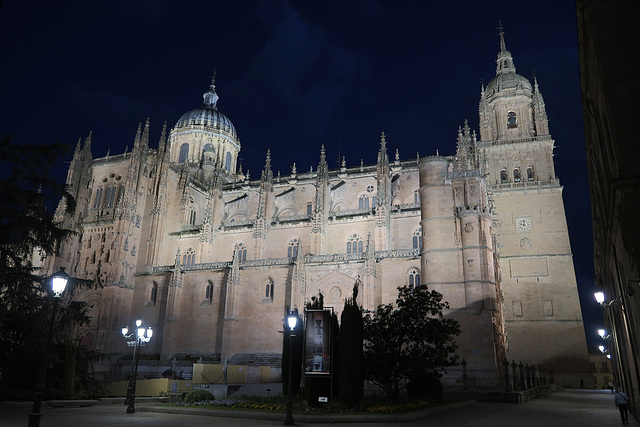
523,224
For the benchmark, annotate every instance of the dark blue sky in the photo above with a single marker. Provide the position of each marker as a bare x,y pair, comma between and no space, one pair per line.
293,75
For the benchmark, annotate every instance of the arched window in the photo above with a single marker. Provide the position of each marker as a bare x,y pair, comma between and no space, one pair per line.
98,200
512,121
268,289
87,341
503,176
294,246
154,293
530,174
192,216
207,147
227,162
110,197
354,244
184,153
417,239
209,292
242,252
363,203
414,278
189,257
516,175
309,209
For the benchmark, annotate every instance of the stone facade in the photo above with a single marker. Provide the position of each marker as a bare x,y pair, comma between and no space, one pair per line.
212,259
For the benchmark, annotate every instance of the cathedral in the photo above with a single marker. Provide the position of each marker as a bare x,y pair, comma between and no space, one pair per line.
212,258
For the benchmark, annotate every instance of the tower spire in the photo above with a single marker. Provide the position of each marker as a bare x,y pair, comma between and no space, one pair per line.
210,96
504,61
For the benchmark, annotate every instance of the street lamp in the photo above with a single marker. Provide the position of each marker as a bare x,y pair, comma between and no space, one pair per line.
292,320
139,337
58,284
599,297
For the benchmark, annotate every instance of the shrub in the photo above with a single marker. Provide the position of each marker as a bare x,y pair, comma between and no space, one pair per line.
428,385
198,396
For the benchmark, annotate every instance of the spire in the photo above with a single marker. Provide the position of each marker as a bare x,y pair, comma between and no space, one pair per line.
144,140
504,62
162,144
267,174
210,96
382,154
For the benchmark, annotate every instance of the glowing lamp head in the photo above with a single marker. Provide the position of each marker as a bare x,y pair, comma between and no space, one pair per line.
601,348
292,320
149,332
608,356
59,282
125,330
138,322
602,333
599,297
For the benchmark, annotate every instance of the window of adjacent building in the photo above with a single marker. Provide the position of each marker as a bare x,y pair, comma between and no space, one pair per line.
154,293
414,278
517,308
309,209
516,175
189,257
268,289
184,153
354,244
530,175
242,252
417,239
294,246
503,176
547,307
512,121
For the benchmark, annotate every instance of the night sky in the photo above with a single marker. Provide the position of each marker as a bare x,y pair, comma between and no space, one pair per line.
291,76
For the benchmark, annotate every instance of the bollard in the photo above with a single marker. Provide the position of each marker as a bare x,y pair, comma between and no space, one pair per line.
506,375
522,384
514,375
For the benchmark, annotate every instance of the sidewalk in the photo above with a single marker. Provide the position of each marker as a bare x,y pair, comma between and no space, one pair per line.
566,408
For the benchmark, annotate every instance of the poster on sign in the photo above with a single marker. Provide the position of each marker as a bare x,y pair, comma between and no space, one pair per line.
317,359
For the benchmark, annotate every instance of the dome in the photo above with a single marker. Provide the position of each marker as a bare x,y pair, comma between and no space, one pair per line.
208,116
508,81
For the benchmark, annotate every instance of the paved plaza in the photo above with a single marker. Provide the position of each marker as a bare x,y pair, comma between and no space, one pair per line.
566,408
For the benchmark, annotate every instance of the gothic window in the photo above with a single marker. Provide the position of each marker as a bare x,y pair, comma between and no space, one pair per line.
294,246
414,278
189,257
184,153
268,289
154,293
512,121
354,244
227,162
192,216
98,200
417,239
503,176
309,208
416,196
242,252
516,175
209,292
110,196
364,202
530,174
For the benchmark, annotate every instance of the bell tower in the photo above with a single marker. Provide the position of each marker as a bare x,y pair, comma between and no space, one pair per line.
541,303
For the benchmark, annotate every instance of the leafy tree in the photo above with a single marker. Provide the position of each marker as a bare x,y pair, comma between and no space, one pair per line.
350,357
409,340
28,230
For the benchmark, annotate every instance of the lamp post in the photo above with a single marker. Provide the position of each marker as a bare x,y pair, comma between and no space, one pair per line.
292,320
58,284
139,337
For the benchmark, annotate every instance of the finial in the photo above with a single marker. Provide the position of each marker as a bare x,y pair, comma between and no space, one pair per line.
437,152
213,79
344,162
293,169
397,155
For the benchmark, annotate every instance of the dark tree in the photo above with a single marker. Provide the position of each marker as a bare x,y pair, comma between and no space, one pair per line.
350,365
28,232
409,340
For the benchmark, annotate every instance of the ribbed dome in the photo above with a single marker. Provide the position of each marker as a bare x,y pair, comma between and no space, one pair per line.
209,118
208,115
506,81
